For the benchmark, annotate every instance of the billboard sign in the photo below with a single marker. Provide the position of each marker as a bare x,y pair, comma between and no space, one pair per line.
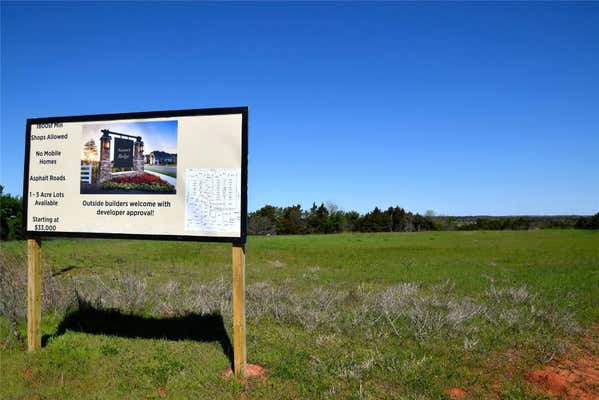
178,175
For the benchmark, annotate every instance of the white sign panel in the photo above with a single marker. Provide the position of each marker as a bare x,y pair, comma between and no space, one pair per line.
163,175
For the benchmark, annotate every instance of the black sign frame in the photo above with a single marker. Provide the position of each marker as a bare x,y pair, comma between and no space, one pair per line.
244,111
124,146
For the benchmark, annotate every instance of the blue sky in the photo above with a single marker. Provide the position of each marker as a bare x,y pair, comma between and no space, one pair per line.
463,108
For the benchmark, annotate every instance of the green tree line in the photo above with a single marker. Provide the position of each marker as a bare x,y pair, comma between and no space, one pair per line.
292,220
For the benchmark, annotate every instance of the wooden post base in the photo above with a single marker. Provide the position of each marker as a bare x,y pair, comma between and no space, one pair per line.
34,295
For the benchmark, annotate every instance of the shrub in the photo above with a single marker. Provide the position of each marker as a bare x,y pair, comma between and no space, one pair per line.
144,182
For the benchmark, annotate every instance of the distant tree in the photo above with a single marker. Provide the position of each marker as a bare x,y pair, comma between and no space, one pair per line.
264,220
259,225
591,222
317,218
422,223
291,221
331,207
350,221
375,221
322,214
11,216
335,219
90,151
399,219
519,223
313,222
450,223
335,222
269,212
491,224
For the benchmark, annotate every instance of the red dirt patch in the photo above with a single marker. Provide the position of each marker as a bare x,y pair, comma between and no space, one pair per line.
553,383
572,380
456,393
28,373
253,372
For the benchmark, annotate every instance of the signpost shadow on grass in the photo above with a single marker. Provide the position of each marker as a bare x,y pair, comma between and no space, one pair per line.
112,322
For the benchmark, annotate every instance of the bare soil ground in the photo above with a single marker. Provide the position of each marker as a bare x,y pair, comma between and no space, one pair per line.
572,378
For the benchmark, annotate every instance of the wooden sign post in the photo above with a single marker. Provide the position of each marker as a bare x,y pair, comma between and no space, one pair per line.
239,350
34,304
34,295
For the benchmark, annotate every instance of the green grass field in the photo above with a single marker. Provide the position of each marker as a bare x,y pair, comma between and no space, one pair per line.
392,315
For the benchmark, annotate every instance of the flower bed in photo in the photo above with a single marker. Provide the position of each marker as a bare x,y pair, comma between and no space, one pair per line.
144,182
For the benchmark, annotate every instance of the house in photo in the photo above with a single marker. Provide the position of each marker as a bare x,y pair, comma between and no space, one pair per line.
160,158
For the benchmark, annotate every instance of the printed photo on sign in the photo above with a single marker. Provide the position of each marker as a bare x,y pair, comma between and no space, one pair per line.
129,158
